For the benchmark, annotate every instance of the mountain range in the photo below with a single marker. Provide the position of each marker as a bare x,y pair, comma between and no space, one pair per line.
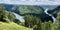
34,10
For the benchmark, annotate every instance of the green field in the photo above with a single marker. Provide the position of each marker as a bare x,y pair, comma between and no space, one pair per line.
12,26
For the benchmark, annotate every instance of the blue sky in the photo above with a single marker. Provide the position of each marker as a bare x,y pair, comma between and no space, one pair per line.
31,2
45,3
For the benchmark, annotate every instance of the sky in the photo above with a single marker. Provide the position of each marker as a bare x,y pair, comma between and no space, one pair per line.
31,2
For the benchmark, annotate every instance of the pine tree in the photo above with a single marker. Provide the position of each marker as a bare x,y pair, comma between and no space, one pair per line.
1,13
33,21
58,18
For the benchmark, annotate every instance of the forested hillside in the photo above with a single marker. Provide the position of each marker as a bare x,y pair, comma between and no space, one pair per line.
34,18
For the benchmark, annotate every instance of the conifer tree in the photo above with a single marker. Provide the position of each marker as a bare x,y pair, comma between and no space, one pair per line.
58,18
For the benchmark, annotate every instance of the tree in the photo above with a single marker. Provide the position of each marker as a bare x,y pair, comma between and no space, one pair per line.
31,21
1,13
58,19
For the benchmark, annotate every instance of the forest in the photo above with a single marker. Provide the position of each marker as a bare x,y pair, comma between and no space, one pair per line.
28,17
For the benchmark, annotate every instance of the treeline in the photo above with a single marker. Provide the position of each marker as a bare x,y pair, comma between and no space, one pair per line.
30,21
36,23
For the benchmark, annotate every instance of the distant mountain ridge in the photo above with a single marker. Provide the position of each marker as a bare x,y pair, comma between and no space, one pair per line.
9,7
15,8
29,9
55,10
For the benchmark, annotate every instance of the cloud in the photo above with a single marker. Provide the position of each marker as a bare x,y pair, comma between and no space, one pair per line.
31,2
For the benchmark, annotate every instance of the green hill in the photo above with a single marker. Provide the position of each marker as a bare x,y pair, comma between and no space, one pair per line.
12,26
8,22
7,19
23,9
